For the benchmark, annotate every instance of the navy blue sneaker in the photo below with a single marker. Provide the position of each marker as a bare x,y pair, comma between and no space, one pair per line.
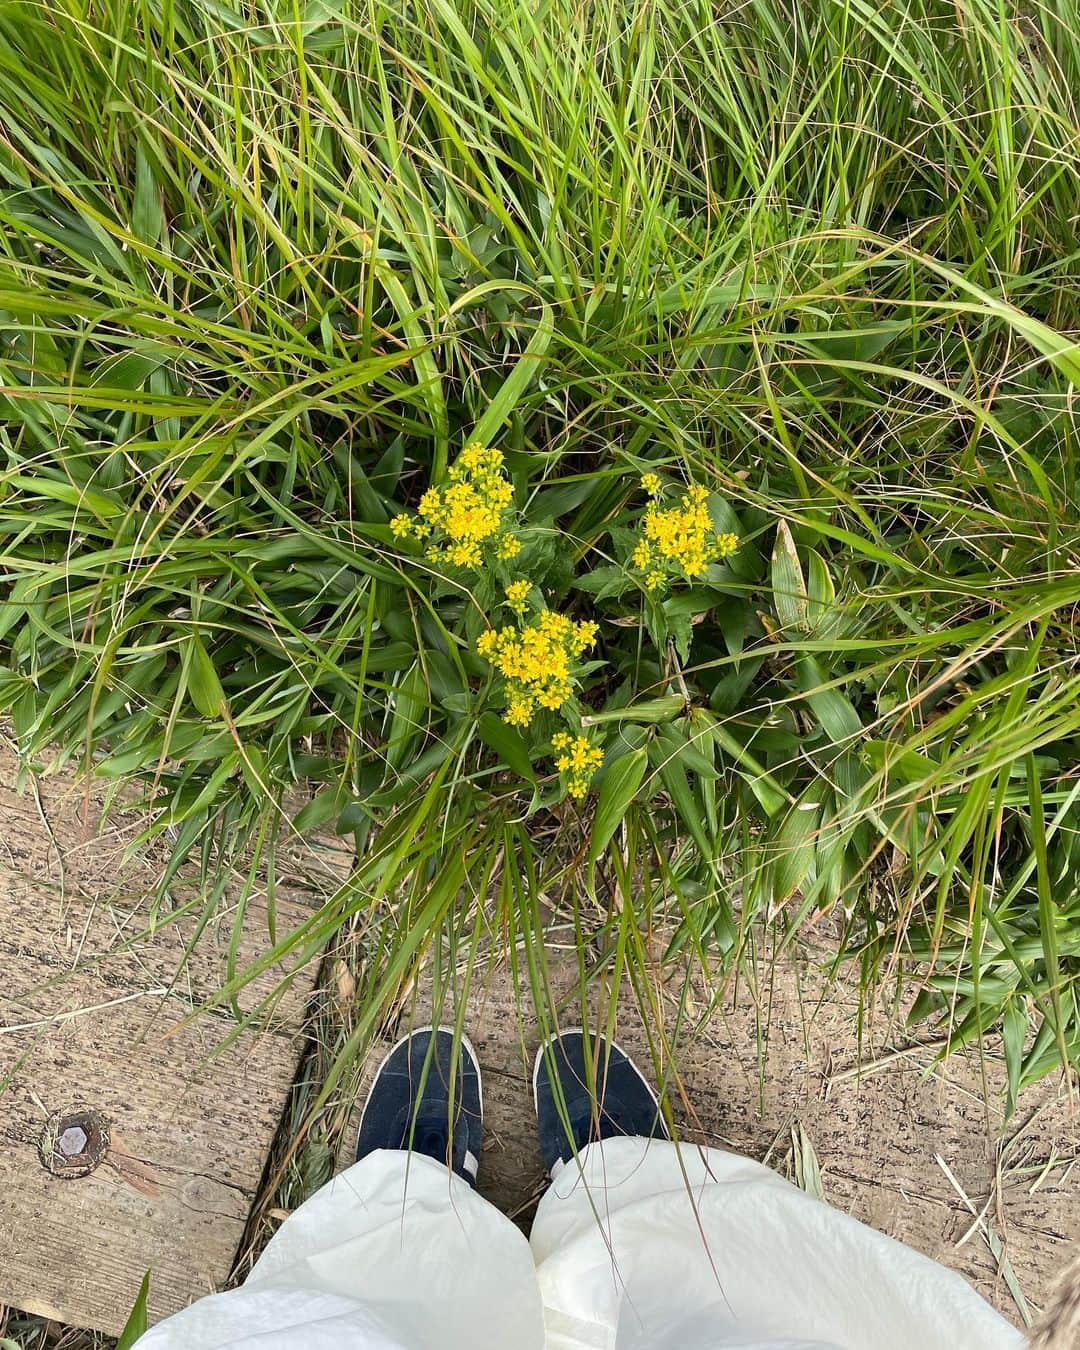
427,1098
586,1090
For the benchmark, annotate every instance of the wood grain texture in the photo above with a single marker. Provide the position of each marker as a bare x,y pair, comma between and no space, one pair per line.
788,1054
88,1021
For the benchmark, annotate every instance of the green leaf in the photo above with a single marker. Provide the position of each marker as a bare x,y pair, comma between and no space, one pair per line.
837,714
508,743
794,848
71,494
786,578
617,790
136,1324
652,710
324,806
689,744
675,780
770,793
527,369
606,582
820,591
1014,1028
407,722
843,346
203,683
147,218
910,766
679,612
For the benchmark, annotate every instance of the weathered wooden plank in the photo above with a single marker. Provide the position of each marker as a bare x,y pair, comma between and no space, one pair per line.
766,1060
86,1022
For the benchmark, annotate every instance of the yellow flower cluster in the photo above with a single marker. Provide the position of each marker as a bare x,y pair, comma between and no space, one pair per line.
679,538
471,513
578,758
517,596
536,661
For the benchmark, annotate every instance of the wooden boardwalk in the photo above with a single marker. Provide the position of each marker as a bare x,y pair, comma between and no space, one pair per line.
895,1139
89,1024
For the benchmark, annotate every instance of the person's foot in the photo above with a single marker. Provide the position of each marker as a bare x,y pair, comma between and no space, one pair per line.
427,1098
586,1090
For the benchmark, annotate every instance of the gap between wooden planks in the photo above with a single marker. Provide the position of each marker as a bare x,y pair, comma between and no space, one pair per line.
189,1131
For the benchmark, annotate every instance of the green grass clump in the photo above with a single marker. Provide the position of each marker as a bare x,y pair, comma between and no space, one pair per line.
264,269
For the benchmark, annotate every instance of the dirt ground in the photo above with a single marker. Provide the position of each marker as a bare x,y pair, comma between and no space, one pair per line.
914,1146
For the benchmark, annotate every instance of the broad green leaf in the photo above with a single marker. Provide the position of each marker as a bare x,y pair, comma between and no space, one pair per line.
673,776
607,582
409,716
1014,1027
527,369
653,710
768,791
786,579
203,683
836,713
794,848
617,790
508,743
820,591
147,218
324,806
910,766
88,498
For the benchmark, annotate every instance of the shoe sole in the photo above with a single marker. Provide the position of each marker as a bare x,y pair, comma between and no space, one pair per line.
538,1064
465,1043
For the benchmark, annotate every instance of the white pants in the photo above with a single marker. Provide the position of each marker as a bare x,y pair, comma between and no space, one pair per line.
641,1245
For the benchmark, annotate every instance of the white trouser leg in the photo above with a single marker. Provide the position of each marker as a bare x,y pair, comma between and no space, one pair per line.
646,1245
396,1253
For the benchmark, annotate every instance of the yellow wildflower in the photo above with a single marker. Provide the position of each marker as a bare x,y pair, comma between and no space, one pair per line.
478,459
555,626
487,644
496,491
464,555
519,711
679,539
536,658
469,514
517,595
554,694
651,483
585,635
579,760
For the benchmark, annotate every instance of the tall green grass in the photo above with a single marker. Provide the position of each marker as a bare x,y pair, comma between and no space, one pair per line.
264,267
